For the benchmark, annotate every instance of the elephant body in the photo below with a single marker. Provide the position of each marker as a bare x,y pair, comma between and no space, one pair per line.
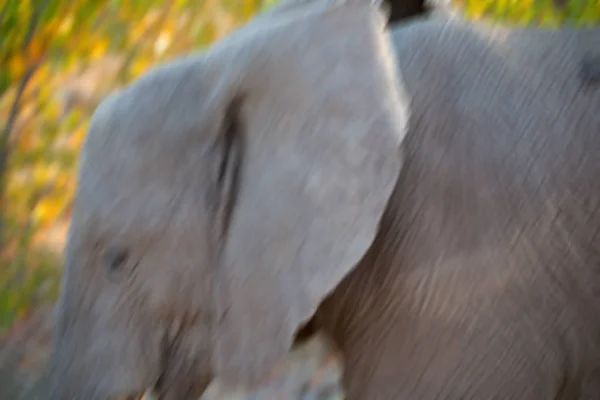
427,196
484,282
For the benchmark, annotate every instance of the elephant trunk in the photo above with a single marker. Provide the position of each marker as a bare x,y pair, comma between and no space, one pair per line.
63,388
100,367
70,380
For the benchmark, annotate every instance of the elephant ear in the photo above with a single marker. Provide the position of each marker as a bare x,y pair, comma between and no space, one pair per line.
320,118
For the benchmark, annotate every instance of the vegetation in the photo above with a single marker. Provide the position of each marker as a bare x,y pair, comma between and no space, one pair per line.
546,13
58,58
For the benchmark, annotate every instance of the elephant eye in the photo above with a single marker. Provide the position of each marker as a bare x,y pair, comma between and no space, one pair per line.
115,259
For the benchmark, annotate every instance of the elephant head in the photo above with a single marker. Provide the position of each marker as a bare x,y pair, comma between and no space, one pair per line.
220,198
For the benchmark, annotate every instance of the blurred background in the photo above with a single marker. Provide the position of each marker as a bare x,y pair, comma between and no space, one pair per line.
58,59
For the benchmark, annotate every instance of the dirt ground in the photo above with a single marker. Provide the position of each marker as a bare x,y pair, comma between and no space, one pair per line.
310,372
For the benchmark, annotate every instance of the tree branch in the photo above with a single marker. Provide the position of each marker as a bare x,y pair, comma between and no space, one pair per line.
37,13
14,111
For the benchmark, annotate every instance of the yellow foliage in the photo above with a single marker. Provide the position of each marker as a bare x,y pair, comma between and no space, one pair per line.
478,8
99,49
15,184
47,210
163,41
25,8
42,175
36,49
137,32
65,25
52,111
17,66
77,137
545,13
139,66
181,3
42,81
248,9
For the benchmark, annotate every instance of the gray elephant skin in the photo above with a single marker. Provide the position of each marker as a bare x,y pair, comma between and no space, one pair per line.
433,210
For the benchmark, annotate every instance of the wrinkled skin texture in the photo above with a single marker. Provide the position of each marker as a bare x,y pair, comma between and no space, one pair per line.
483,281
224,199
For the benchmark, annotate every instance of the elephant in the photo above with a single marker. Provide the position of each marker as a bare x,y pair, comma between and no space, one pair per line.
427,196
